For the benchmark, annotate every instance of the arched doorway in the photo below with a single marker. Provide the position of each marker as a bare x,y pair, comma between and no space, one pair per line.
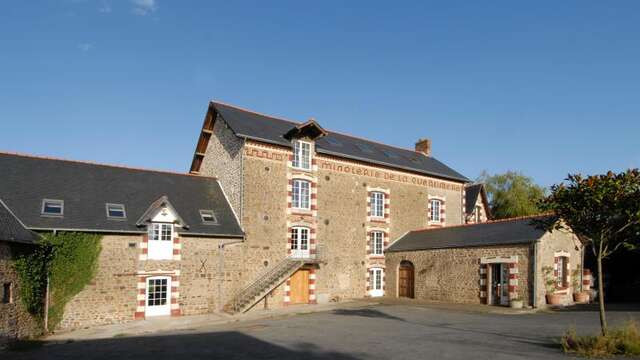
405,280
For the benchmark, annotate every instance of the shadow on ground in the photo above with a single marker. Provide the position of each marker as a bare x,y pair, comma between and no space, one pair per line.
368,313
215,345
613,307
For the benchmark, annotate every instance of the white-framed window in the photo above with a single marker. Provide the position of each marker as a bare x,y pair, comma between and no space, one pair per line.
375,282
477,214
208,217
377,204
300,242
158,296
301,194
435,206
160,245
301,154
51,207
377,242
116,211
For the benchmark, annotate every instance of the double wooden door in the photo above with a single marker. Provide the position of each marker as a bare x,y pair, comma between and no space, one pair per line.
299,287
405,280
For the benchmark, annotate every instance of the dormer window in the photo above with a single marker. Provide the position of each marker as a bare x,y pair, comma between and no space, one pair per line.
301,154
116,211
160,246
208,217
52,207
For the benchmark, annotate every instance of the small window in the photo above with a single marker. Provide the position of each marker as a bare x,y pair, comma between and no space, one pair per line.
377,242
434,213
116,211
561,273
377,204
364,148
7,293
301,194
52,207
208,217
301,155
390,154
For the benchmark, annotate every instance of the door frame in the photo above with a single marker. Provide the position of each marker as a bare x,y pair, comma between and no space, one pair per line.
305,284
376,292
412,288
499,272
157,310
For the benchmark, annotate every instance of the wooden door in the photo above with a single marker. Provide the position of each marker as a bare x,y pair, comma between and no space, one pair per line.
299,287
405,280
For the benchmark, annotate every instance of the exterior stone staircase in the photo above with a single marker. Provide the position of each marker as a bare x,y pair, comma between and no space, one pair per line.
263,285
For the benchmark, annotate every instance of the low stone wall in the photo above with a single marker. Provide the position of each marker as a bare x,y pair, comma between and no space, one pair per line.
453,275
15,321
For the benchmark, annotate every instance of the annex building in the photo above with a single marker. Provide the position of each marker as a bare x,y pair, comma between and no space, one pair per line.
275,212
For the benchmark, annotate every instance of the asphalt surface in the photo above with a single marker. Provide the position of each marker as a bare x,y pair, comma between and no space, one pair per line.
369,332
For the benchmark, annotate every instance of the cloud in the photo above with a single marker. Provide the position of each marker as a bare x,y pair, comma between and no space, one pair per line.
105,7
85,47
144,7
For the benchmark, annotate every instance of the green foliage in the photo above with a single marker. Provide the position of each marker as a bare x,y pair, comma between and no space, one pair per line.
549,279
512,194
70,259
623,341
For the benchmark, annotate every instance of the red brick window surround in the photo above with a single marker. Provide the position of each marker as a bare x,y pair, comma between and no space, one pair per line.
302,153
561,270
437,210
302,194
378,205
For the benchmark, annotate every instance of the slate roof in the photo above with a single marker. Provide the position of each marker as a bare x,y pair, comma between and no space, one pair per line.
251,125
86,188
472,192
11,229
500,232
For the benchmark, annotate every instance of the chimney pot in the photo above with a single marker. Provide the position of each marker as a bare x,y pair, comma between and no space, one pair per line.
424,146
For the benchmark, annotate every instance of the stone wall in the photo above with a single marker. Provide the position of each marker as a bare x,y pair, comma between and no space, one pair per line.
453,275
206,279
552,244
15,321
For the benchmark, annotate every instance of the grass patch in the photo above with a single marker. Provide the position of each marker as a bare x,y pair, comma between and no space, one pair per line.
623,341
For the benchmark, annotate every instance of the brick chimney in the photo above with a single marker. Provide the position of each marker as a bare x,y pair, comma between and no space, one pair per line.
424,146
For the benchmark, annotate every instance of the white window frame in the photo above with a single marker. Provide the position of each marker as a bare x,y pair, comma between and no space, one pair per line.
300,240
377,243
158,310
301,197
120,206
160,243
302,154
204,213
377,204
561,271
376,281
435,216
55,203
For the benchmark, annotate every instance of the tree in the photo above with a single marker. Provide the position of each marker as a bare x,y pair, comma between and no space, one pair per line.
603,211
512,194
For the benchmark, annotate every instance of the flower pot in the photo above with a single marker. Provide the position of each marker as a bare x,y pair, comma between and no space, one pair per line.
516,304
581,297
554,299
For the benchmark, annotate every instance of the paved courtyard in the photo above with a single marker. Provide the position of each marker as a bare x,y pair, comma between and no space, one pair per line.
395,331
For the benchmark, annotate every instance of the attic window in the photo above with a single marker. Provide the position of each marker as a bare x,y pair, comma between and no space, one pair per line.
391,154
364,148
116,211
52,207
208,217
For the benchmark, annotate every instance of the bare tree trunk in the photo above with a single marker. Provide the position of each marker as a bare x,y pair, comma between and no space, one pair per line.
603,319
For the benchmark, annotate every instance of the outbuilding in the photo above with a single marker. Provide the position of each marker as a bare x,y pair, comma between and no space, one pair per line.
490,263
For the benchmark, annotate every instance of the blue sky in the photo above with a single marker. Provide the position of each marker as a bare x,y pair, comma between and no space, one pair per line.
546,88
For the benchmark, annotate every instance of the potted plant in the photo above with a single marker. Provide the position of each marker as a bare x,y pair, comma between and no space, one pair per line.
579,296
550,285
516,303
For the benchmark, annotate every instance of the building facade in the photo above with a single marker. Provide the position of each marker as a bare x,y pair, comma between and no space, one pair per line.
332,200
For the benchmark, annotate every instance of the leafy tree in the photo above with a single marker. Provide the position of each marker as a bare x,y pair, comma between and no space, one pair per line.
512,194
603,211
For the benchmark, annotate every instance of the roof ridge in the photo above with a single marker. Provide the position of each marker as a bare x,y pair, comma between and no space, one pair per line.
298,123
86,162
515,218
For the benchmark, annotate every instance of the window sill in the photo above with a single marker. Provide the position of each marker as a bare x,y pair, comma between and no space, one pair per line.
295,211
435,223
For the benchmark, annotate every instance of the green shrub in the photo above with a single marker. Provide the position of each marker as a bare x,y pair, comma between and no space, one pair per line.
622,341
70,260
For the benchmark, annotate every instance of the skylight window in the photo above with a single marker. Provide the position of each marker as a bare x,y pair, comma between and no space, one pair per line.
116,211
391,154
52,207
333,141
208,217
364,148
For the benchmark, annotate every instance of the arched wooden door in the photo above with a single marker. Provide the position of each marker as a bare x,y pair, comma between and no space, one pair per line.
405,280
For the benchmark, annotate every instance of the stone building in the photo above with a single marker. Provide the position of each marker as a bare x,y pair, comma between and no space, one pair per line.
168,240
15,239
488,263
477,208
321,205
